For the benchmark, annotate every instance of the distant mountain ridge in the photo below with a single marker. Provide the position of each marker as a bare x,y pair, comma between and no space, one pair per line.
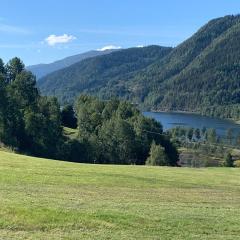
200,75
41,70
106,76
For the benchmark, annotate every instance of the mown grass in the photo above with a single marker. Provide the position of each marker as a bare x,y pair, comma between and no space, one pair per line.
46,199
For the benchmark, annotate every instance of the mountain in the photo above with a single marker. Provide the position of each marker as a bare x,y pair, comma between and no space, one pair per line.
41,70
106,76
200,75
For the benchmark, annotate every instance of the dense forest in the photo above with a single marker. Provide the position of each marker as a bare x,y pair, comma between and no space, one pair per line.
106,131
199,75
105,76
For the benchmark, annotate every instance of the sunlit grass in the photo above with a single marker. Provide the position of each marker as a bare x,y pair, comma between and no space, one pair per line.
46,199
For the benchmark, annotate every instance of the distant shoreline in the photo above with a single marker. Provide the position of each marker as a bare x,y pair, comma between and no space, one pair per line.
195,113
175,111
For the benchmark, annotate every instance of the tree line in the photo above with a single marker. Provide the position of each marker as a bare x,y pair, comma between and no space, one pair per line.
207,143
204,135
107,131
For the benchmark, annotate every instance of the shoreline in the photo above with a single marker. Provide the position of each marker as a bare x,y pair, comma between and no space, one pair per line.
176,111
195,113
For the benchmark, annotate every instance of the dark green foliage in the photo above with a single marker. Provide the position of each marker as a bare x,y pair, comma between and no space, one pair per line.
28,122
200,75
2,68
105,76
228,161
13,68
197,134
43,128
190,133
74,151
117,138
108,131
23,90
116,132
3,107
68,117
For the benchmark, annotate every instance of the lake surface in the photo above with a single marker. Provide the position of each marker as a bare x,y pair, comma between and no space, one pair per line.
172,119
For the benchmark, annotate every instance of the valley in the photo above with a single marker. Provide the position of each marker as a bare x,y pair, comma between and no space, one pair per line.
120,120
199,75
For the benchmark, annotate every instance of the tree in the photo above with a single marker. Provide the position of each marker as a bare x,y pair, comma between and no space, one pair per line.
2,67
14,67
43,128
190,134
23,90
68,117
116,132
3,107
203,132
228,160
197,134
211,135
157,156
118,140
229,135
74,151
89,114
11,122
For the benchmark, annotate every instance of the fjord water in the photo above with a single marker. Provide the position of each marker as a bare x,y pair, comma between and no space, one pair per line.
173,119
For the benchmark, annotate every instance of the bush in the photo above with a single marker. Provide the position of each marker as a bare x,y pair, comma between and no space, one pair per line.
237,163
228,160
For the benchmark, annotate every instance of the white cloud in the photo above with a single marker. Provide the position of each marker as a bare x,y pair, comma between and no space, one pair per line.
52,40
109,47
140,46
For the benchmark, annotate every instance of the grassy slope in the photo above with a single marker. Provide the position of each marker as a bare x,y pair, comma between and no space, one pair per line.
70,132
42,199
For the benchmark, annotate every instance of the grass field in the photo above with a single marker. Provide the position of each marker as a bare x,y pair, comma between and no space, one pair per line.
44,199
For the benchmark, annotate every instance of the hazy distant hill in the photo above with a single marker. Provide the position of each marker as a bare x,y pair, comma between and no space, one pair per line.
202,74
40,70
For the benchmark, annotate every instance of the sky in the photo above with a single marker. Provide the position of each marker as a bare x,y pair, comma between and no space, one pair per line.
48,30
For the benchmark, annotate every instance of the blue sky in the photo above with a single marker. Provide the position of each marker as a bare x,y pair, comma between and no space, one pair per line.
48,30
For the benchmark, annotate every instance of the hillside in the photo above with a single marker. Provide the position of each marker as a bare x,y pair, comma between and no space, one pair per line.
199,75
43,199
105,76
41,70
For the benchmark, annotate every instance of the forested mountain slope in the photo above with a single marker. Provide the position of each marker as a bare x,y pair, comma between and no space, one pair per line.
106,76
200,75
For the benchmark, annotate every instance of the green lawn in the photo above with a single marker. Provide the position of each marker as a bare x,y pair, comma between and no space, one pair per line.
46,199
